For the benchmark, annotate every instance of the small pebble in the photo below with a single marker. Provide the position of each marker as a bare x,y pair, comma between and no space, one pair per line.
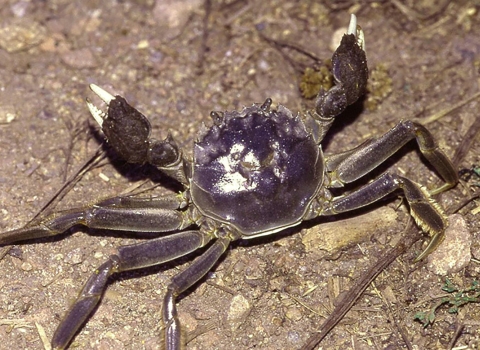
26,266
454,252
20,34
81,58
238,311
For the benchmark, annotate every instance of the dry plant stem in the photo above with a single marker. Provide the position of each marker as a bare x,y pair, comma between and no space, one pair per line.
417,17
400,329
70,183
463,203
466,143
62,191
444,112
4,251
280,45
203,46
210,326
458,331
410,236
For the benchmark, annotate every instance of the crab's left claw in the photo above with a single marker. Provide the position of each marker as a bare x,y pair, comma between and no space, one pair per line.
355,29
350,73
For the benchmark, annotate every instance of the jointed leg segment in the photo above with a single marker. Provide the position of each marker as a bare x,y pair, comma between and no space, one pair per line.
120,213
352,165
373,152
181,283
149,253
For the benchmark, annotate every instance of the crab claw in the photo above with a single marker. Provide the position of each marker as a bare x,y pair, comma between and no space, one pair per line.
350,72
106,97
126,129
356,30
128,132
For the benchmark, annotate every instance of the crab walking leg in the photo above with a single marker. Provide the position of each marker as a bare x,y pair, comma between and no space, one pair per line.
180,283
130,257
353,164
372,153
164,202
426,212
124,214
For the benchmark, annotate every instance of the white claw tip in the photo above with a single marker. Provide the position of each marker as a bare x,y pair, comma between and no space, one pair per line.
352,26
356,30
97,114
105,96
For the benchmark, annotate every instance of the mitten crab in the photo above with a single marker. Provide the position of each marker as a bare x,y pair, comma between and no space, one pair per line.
254,172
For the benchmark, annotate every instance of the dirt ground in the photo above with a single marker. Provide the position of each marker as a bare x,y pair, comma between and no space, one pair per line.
176,61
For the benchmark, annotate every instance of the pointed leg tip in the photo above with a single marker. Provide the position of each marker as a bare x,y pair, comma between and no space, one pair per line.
436,240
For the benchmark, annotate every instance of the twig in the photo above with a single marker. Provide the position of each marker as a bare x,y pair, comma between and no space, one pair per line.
203,45
410,237
279,45
72,180
418,17
463,203
466,143
75,130
446,111
458,331
394,320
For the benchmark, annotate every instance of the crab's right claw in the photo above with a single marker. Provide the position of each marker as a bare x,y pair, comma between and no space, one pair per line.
106,97
128,132
125,128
